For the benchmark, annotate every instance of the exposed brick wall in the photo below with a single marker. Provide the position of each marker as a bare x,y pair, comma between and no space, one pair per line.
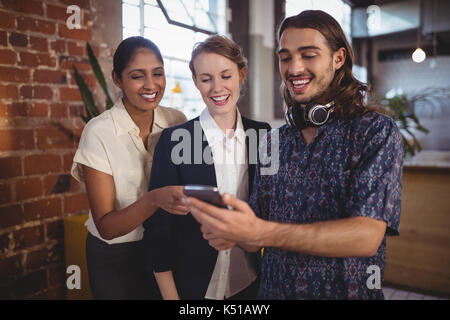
39,130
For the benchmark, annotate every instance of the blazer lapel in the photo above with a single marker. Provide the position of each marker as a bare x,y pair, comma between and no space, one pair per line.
251,165
208,170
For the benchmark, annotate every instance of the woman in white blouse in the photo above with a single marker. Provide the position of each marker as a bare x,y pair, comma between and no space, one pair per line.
114,160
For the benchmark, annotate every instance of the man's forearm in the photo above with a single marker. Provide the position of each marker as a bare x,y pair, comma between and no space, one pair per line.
350,237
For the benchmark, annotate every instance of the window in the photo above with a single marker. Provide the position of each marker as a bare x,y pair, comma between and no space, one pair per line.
338,9
192,21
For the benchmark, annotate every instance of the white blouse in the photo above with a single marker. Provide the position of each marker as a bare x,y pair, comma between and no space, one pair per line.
110,143
234,270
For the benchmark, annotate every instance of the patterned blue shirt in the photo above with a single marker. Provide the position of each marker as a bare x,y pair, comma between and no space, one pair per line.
352,168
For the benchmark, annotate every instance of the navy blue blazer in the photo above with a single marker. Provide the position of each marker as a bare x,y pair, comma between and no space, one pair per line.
175,242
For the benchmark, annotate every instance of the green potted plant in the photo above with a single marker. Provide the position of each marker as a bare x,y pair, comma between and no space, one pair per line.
86,94
401,108
398,107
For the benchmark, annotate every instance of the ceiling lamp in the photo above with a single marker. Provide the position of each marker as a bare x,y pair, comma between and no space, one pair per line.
419,55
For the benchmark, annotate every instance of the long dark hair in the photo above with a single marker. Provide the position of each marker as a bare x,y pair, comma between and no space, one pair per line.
345,90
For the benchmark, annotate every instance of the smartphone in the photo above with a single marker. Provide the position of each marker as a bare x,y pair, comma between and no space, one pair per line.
208,194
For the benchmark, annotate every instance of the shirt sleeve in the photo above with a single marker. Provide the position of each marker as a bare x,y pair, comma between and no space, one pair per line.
159,235
376,185
179,118
91,152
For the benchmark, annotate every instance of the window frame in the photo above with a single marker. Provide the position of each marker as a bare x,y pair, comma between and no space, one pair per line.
193,103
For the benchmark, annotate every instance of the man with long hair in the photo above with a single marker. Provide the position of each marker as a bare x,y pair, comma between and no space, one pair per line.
323,218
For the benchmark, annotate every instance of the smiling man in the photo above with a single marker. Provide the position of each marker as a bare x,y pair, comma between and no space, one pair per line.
309,69
323,218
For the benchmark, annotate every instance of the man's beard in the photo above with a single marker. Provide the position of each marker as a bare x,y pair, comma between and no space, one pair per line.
323,92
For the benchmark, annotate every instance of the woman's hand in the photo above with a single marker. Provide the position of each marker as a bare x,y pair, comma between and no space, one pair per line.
169,199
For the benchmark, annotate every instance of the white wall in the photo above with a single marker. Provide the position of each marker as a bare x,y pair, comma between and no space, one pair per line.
261,65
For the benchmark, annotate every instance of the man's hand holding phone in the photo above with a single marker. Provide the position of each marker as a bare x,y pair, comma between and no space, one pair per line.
237,225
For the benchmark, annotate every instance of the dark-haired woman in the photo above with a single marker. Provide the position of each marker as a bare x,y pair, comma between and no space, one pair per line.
114,160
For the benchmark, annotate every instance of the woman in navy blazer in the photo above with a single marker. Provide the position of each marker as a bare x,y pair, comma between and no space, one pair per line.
183,261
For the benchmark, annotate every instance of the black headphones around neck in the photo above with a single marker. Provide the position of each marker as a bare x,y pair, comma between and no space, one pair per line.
313,115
